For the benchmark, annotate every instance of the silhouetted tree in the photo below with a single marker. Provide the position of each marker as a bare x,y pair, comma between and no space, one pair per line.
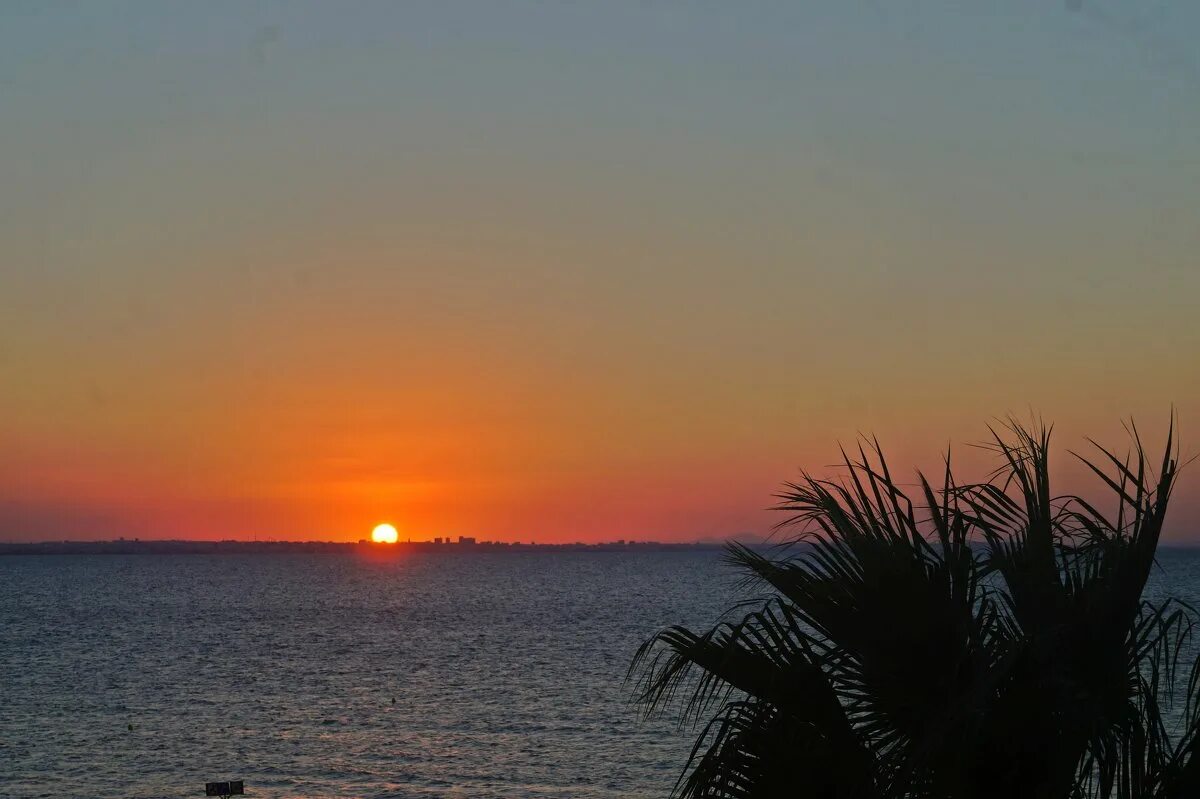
984,641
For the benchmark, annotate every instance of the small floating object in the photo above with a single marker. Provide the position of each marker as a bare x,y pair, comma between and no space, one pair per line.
130,726
224,789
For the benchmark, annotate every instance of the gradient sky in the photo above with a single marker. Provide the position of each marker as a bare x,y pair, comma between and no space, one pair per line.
574,271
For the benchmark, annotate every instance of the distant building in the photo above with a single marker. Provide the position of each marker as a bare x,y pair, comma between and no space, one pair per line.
466,539
437,540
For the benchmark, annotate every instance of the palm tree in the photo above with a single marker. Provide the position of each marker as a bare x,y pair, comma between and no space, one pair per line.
983,641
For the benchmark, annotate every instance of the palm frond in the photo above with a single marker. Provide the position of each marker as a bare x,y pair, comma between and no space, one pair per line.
982,640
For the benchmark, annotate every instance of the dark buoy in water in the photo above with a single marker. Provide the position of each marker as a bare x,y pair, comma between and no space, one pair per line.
224,789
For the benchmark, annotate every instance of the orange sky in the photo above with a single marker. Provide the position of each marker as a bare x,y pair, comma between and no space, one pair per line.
572,273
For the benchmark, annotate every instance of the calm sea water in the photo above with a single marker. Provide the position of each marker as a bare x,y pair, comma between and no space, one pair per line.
437,674
455,675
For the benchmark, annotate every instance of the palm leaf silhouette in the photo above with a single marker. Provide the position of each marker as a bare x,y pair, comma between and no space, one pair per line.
975,641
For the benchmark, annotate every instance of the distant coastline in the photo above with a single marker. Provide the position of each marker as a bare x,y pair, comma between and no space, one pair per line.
169,547
233,547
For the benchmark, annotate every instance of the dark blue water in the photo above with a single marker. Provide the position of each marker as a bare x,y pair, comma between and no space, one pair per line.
460,675
456,675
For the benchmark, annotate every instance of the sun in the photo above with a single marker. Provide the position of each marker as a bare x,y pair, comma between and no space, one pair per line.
384,534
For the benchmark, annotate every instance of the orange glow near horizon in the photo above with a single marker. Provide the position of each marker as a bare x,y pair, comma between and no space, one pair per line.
298,478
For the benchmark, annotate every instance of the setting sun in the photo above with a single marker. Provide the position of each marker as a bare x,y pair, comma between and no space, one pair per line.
384,534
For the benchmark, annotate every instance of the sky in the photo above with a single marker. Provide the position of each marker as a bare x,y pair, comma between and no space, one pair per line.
576,271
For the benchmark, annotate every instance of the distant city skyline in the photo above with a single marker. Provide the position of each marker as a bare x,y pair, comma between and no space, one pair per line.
576,271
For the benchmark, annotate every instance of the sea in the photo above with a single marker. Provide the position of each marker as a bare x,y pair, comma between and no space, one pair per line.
423,674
